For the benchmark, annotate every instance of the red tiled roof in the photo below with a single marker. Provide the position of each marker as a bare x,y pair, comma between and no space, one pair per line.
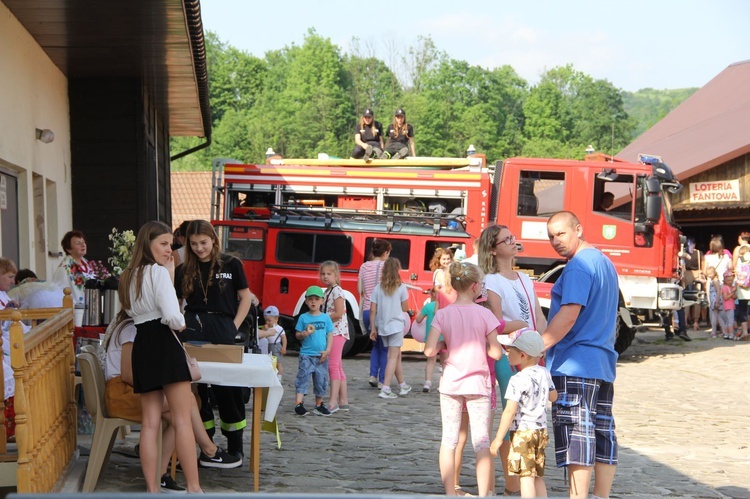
191,196
708,129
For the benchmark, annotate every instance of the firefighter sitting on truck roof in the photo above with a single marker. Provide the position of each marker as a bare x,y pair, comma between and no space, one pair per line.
369,137
400,137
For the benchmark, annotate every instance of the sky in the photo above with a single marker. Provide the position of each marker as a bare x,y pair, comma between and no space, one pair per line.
634,44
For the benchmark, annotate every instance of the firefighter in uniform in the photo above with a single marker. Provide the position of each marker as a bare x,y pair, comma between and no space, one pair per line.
217,299
369,137
400,135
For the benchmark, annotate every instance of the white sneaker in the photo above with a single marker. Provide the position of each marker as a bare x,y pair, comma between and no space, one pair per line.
387,394
405,389
427,386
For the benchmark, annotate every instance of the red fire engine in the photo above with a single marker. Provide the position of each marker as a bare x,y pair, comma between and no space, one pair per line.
286,217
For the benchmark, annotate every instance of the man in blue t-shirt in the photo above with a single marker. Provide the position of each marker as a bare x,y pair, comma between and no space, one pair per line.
581,357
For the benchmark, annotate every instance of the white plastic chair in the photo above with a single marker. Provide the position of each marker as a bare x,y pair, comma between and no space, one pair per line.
104,432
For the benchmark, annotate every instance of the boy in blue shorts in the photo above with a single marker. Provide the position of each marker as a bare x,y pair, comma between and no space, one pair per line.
315,332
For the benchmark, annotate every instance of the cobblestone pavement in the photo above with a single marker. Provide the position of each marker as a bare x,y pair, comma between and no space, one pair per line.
682,410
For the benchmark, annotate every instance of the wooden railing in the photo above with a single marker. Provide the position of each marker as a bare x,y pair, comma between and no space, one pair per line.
44,371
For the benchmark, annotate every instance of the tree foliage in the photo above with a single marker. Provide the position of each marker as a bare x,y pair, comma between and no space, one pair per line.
304,100
647,106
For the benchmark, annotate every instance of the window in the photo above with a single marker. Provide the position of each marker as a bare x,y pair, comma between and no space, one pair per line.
313,248
400,249
245,249
245,243
429,251
540,194
614,197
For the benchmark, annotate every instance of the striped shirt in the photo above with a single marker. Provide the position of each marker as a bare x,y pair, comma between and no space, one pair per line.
369,276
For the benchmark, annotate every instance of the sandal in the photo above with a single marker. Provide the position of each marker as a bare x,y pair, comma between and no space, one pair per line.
511,493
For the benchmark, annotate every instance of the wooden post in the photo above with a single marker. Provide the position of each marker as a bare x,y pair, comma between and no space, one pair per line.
18,363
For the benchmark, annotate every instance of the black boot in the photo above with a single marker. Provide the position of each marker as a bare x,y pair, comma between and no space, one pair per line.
234,443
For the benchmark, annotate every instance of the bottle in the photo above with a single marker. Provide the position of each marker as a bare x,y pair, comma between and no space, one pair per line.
79,311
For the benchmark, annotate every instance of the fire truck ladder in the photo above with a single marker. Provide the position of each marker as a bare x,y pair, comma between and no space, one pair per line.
217,185
330,217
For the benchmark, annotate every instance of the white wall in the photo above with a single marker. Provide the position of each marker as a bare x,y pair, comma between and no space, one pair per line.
34,94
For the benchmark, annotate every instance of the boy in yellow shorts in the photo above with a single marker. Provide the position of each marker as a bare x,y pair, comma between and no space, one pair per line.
525,413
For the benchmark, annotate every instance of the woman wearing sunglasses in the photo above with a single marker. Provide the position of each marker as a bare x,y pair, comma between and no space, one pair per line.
511,297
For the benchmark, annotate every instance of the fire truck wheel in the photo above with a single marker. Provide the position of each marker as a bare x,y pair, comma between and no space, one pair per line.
353,332
625,336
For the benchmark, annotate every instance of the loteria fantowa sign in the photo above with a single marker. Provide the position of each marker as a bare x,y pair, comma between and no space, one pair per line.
718,190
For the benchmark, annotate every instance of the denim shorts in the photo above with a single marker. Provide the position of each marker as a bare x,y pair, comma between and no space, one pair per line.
308,366
582,420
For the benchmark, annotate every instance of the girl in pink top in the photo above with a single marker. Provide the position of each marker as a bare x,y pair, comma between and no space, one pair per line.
728,295
469,334
334,304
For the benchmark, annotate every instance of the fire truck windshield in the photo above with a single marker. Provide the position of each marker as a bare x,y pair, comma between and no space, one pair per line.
668,213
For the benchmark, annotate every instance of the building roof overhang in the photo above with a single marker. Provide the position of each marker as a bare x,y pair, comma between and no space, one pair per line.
158,41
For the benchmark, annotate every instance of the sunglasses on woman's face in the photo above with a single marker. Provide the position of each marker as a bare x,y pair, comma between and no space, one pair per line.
511,239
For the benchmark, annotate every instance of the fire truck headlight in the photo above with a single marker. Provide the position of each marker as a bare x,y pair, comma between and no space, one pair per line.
669,294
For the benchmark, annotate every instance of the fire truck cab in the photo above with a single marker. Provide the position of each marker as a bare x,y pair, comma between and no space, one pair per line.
625,211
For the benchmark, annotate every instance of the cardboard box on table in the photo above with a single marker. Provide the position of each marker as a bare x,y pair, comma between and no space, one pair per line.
215,353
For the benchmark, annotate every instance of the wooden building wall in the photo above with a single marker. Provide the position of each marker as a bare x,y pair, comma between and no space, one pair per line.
737,168
119,159
702,221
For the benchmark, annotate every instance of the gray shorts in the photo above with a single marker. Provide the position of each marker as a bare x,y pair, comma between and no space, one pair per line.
276,349
393,340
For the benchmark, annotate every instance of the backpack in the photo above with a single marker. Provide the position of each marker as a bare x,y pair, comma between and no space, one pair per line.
743,274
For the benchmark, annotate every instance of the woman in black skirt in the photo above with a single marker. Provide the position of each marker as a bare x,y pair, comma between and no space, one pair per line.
159,366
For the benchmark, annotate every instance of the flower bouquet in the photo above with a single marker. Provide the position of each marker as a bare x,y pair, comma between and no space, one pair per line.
121,249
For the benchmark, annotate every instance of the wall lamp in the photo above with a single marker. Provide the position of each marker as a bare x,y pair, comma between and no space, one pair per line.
45,135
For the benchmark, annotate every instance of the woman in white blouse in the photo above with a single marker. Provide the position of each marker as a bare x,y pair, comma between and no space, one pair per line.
159,365
511,297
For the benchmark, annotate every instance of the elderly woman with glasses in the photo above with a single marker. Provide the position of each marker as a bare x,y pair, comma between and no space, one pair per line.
511,297
369,137
73,270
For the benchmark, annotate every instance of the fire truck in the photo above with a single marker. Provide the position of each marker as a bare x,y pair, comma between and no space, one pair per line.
285,217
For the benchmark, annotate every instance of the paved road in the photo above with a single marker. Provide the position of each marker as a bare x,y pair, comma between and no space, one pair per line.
682,409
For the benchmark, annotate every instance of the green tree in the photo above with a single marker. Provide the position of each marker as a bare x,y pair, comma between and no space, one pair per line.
567,110
304,108
235,78
302,100
370,83
471,105
419,60
647,106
